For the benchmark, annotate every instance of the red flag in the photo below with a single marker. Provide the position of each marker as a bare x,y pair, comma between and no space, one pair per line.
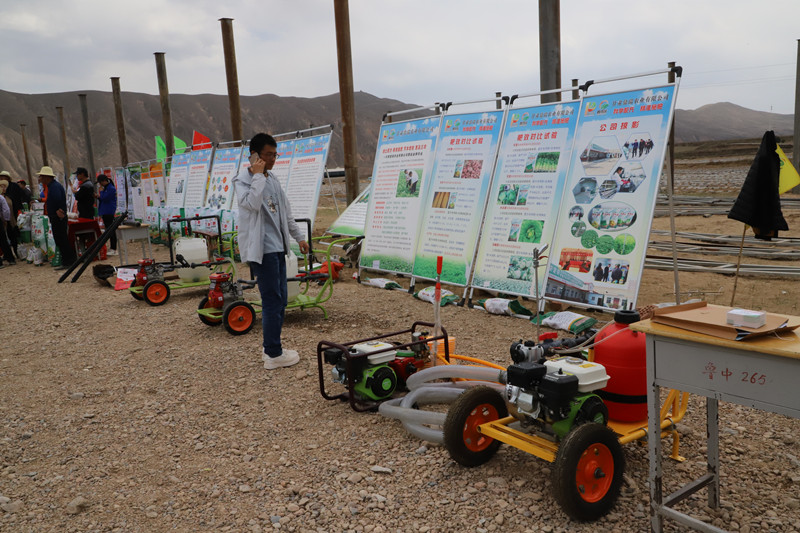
200,141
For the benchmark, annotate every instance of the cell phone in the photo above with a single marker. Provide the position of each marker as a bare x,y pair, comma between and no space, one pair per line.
253,158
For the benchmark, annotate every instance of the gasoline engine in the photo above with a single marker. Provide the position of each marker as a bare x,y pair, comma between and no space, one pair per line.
555,394
222,290
376,368
148,271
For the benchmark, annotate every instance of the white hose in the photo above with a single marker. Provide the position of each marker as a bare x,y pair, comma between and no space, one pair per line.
415,420
418,379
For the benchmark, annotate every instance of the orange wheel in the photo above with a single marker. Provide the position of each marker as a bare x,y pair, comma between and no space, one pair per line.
207,320
238,317
156,292
462,438
587,475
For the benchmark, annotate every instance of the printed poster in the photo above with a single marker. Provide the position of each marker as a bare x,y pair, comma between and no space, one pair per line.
599,248
400,177
353,220
121,184
283,163
305,176
454,202
525,196
223,170
135,191
176,183
197,177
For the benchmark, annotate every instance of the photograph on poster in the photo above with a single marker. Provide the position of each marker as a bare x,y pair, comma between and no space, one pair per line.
612,216
577,229
529,161
520,267
408,185
608,270
507,195
585,190
531,231
522,196
513,232
638,146
441,200
600,156
469,169
631,176
575,259
546,162
576,213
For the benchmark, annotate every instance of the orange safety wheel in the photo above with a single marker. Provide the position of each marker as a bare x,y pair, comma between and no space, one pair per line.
462,439
156,292
238,317
587,475
207,320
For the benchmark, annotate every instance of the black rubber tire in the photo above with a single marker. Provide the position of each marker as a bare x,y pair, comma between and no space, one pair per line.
587,456
156,292
204,319
592,410
137,296
238,317
472,408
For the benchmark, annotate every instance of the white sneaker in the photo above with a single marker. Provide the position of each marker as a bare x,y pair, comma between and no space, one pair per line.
111,252
287,358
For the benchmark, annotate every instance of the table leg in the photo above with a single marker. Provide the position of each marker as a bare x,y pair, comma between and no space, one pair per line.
712,425
654,441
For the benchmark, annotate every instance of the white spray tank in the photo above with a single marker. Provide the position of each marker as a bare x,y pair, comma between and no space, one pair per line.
193,250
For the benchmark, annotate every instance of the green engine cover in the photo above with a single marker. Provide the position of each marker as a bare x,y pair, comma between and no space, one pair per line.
376,383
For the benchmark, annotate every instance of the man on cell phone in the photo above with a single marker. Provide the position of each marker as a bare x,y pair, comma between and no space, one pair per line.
265,223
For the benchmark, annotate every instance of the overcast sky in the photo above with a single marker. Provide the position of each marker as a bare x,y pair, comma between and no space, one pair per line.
411,50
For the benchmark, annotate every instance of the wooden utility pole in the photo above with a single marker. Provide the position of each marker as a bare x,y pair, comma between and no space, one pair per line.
232,76
575,92
341,13
42,142
550,49
166,114
123,141
88,134
27,157
62,127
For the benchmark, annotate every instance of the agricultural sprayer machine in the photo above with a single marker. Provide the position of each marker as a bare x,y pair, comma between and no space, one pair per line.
226,304
189,266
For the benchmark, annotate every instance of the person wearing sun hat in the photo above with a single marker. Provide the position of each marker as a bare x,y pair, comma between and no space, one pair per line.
56,207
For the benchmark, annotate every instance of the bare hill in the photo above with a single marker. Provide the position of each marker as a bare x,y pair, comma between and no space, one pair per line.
209,114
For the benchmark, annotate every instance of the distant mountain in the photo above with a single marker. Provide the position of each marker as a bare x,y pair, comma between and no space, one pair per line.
724,121
209,114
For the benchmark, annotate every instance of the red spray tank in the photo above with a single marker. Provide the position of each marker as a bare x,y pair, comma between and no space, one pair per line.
624,357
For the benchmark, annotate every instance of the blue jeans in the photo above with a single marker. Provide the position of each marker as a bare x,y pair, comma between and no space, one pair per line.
271,277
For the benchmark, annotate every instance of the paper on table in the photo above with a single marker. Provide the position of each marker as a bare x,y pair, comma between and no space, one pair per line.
712,320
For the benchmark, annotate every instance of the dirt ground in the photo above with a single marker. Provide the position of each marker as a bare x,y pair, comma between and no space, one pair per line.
118,416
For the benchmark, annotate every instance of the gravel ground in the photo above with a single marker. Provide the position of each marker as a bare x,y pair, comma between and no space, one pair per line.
117,416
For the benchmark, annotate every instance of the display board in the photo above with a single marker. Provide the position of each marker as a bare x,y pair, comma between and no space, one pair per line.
197,177
220,183
157,175
455,200
283,163
400,177
525,197
305,176
136,204
176,182
598,251
121,185
353,220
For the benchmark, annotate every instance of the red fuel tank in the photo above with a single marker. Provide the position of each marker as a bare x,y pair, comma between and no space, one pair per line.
623,356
